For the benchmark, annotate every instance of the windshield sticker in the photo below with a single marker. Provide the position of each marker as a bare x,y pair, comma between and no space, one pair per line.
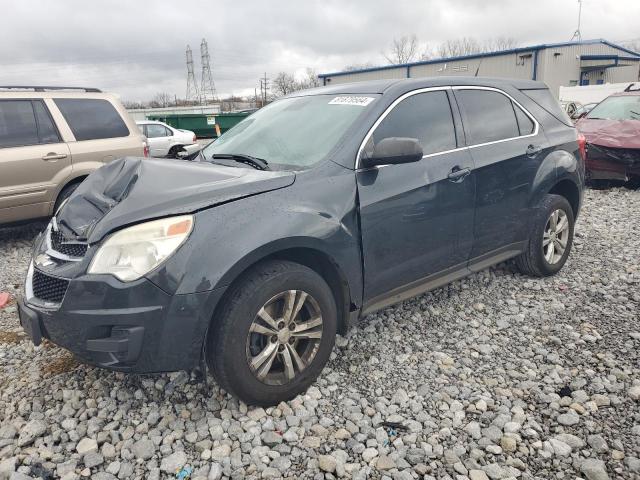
351,100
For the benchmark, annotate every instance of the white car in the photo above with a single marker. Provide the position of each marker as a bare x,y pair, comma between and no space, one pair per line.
166,141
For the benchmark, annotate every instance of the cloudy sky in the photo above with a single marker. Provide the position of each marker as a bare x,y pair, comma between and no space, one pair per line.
137,48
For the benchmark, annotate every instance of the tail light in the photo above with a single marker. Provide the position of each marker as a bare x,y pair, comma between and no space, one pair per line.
194,138
582,146
146,149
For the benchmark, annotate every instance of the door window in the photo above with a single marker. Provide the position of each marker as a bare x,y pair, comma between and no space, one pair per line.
155,131
17,124
525,124
488,116
426,117
92,118
47,131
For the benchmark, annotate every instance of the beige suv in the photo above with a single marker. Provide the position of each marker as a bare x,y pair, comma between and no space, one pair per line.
51,138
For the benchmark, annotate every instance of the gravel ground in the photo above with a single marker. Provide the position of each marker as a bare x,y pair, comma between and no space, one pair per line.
495,376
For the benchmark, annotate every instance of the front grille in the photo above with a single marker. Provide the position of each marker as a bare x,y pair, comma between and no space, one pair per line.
60,244
47,288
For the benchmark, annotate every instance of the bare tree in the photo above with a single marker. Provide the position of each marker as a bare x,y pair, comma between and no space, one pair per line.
458,47
311,79
403,50
499,43
284,84
161,100
358,66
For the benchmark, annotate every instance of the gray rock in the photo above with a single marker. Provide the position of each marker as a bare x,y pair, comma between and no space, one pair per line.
597,443
143,449
32,430
173,462
215,472
594,469
271,438
568,419
92,459
87,445
327,463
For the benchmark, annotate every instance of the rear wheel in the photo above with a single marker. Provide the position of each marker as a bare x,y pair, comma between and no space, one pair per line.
173,151
551,238
274,333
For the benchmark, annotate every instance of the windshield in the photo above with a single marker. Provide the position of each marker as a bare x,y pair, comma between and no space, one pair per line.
292,133
625,107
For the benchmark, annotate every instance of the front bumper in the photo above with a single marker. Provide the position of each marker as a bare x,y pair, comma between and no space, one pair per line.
130,327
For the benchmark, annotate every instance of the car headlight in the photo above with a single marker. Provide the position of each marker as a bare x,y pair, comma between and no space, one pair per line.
132,252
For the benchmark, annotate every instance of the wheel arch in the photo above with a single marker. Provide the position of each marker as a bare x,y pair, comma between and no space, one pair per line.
72,181
568,189
313,257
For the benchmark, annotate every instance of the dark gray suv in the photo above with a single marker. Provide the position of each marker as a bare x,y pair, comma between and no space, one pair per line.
316,210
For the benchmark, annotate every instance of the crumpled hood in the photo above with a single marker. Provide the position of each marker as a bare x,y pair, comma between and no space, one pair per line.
130,190
611,133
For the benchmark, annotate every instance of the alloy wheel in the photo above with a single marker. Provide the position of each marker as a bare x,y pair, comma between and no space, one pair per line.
284,337
555,237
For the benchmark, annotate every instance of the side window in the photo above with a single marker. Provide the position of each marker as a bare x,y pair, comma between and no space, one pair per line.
488,116
168,133
525,124
155,131
426,117
47,131
91,119
17,124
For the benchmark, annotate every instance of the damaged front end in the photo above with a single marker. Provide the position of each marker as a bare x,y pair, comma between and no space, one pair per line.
609,163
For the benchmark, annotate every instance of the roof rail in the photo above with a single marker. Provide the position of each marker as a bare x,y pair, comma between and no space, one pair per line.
45,88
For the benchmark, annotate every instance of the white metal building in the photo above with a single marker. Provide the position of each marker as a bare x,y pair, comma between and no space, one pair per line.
587,62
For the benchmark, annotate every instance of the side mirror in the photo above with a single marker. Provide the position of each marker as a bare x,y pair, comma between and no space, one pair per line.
393,151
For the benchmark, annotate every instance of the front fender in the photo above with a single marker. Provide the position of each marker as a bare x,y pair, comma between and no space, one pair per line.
229,238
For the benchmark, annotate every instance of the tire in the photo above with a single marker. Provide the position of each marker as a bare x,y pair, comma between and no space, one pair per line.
534,260
64,194
239,337
173,151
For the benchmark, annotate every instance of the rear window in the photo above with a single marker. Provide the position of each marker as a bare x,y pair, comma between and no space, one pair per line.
92,119
547,101
488,116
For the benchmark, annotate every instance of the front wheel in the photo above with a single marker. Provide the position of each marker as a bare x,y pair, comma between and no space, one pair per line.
274,333
550,240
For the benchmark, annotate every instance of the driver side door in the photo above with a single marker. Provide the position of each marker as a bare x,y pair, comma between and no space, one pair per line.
417,218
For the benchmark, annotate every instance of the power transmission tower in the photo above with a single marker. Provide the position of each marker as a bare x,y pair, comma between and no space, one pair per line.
577,35
192,86
207,87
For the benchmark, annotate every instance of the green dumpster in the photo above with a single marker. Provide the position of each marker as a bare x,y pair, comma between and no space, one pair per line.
203,125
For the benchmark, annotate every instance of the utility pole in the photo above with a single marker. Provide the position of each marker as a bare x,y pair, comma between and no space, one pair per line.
577,35
264,87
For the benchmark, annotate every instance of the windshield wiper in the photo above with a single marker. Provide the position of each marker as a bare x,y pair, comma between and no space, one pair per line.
255,162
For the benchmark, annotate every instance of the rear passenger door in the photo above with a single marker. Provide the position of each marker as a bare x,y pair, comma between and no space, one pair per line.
416,218
159,138
33,159
99,131
506,144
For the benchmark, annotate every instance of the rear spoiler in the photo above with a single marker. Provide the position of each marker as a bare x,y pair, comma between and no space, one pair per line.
631,89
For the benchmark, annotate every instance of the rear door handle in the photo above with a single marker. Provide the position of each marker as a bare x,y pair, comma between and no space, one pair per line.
53,156
458,174
533,150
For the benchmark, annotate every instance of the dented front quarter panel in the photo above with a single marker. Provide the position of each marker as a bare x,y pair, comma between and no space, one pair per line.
318,212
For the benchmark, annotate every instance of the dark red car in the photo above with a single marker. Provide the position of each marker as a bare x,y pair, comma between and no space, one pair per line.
612,132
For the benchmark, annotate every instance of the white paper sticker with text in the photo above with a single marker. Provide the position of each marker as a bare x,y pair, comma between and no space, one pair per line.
352,100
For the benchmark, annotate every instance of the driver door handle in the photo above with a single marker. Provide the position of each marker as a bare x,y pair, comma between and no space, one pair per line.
53,156
458,174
